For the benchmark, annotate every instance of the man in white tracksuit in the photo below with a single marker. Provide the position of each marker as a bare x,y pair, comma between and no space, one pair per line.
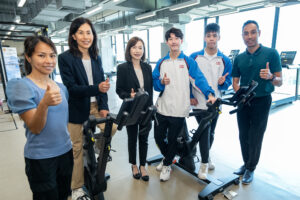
216,68
172,77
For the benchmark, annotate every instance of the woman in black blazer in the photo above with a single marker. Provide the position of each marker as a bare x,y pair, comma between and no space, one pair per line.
82,73
133,75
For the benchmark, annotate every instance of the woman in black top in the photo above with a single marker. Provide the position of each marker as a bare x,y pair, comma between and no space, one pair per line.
133,75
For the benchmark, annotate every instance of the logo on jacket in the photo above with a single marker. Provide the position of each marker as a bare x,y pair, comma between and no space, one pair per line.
181,66
218,63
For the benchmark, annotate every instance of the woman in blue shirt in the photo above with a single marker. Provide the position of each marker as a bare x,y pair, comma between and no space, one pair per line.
42,105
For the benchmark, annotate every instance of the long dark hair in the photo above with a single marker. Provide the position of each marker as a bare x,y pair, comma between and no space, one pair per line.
29,47
93,50
130,44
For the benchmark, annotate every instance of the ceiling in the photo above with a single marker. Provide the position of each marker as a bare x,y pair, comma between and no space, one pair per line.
111,16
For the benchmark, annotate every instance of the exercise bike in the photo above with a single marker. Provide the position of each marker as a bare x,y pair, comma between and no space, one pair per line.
132,111
186,144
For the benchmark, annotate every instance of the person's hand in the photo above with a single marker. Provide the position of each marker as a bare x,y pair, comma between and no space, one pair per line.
194,101
104,86
266,73
52,96
222,79
211,99
165,80
103,113
132,94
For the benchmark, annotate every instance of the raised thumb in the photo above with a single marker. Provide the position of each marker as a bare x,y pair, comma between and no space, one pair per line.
132,90
48,87
107,80
165,75
267,65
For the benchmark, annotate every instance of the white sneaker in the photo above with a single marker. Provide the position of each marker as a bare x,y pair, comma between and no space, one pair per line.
79,194
211,165
202,174
165,173
160,165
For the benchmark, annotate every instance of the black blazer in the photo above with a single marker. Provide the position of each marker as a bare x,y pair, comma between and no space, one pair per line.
75,79
127,79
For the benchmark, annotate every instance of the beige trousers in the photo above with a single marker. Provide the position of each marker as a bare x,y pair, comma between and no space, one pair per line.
76,134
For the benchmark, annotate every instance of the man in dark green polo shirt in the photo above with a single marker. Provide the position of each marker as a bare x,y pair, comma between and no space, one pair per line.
261,64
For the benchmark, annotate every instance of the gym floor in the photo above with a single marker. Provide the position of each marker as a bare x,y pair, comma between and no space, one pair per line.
277,175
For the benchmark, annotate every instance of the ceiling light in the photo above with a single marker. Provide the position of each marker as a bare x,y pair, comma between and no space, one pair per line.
184,5
62,31
145,15
21,3
94,10
222,12
120,29
249,6
18,19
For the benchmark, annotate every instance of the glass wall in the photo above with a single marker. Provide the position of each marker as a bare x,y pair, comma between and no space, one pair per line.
120,48
194,35
231,28
156,38
288,31
288,40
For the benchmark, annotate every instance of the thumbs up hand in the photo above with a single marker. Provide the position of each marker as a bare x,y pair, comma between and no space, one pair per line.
52,96
104,86
165,80
266,73
132,94
222,79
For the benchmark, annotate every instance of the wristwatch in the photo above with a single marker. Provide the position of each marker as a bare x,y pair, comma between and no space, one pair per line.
273,77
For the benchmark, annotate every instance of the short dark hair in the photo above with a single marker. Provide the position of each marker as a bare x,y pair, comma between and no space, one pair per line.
130,44
212,27
250,22
93,50
29,47
177,32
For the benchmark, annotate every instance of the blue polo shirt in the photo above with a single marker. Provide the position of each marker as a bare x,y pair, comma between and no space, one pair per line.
247,67
54,139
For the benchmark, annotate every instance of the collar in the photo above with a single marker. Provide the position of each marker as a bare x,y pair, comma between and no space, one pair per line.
181,55
257,52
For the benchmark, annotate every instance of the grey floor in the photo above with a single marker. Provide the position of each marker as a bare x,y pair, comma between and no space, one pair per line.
277,175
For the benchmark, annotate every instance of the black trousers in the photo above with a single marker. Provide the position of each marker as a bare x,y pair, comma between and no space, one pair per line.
50,179
165,135
135,132
252,123
213,125
207,137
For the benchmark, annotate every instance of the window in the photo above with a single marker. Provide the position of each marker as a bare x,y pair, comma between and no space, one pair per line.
288,40
231,28
120,48
288,31
194,36
156,37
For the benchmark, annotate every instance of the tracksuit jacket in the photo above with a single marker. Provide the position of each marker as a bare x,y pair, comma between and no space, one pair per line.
174,100
212,69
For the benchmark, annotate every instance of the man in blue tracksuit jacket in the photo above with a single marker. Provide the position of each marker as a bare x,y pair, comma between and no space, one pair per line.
216,68
172,77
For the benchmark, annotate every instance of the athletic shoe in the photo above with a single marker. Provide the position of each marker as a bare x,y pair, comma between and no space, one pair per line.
202,174
165,173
